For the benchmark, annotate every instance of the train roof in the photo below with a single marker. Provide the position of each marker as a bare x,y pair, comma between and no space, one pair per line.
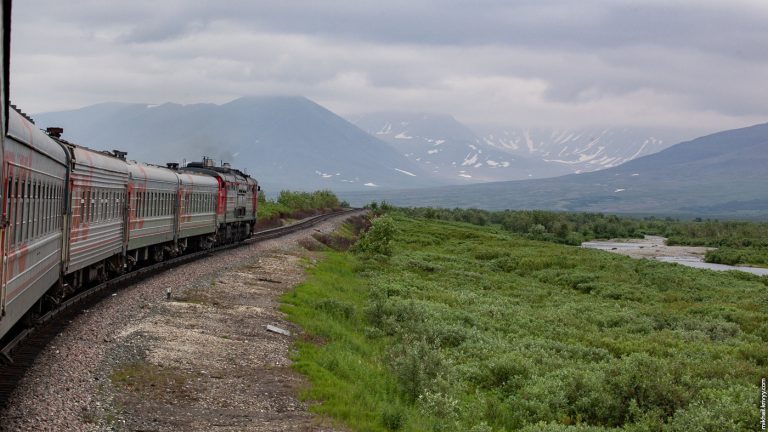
24,131
142,171
83,156
197,179
226,174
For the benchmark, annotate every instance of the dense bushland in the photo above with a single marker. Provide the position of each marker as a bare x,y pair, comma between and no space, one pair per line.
295,205
741,242
464,328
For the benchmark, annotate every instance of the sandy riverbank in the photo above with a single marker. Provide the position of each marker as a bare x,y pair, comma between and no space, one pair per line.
651,247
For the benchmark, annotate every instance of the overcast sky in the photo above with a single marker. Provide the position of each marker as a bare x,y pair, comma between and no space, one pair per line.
698,64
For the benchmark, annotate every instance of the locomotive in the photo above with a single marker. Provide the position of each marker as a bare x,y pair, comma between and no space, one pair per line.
72,216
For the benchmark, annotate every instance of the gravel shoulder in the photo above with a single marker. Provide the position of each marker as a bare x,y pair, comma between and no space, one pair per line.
203,360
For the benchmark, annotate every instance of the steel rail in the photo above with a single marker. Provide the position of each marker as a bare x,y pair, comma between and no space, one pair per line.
140,273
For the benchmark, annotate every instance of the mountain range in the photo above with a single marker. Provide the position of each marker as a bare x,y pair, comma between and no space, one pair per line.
582,150
432,159
285,142
720,175
451,150
292,142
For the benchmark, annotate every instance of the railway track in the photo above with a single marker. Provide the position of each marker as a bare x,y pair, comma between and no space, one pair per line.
20,352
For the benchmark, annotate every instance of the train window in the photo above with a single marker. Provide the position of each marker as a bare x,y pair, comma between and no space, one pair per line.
96,205
42,218
16,210
29,199
8,202
20,205
30,232
23,216
9,206
89,206
49,208
32,227
39,218
87,214
32,209
81,213
88,210
22,209
14,207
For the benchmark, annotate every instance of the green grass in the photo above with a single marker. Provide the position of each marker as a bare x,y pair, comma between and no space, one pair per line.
472,328
739,242
289,203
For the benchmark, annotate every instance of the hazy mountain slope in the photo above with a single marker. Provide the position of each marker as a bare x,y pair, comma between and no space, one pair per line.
582,150
721,174
285,142
450,150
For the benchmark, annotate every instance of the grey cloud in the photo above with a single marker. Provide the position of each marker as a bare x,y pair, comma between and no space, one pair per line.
556,61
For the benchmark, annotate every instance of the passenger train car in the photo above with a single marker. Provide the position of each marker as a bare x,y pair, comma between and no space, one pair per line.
72,216
76,216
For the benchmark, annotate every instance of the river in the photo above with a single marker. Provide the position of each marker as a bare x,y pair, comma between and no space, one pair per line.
653,247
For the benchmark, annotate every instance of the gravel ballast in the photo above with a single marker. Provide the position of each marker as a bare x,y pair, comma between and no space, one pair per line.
203,360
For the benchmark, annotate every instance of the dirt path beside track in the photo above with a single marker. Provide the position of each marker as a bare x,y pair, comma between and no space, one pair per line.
203,360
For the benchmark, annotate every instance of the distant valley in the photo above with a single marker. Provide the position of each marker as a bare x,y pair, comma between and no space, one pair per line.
293,143
723,174
435,160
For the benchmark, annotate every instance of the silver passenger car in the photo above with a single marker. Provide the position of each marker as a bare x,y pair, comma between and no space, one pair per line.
152,204
198,195
34,179
97,183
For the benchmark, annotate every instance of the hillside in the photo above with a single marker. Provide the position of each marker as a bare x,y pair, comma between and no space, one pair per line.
582,150
723,174
450,150
467,328
285,142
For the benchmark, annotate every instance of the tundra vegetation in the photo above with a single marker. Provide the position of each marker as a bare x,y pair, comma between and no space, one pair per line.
432,324
738,242
294,205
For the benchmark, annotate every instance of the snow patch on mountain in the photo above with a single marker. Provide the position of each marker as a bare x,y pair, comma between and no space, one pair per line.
405,172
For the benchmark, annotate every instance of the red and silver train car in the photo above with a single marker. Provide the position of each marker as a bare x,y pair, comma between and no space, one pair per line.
72,216
237,199
94,218
152,205
198,198
34,172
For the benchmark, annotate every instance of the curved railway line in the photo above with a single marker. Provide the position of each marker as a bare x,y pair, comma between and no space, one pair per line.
20,352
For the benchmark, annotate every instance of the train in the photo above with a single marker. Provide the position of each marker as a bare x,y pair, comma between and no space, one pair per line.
73,217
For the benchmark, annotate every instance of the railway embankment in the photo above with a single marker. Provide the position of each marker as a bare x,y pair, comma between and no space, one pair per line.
201,360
